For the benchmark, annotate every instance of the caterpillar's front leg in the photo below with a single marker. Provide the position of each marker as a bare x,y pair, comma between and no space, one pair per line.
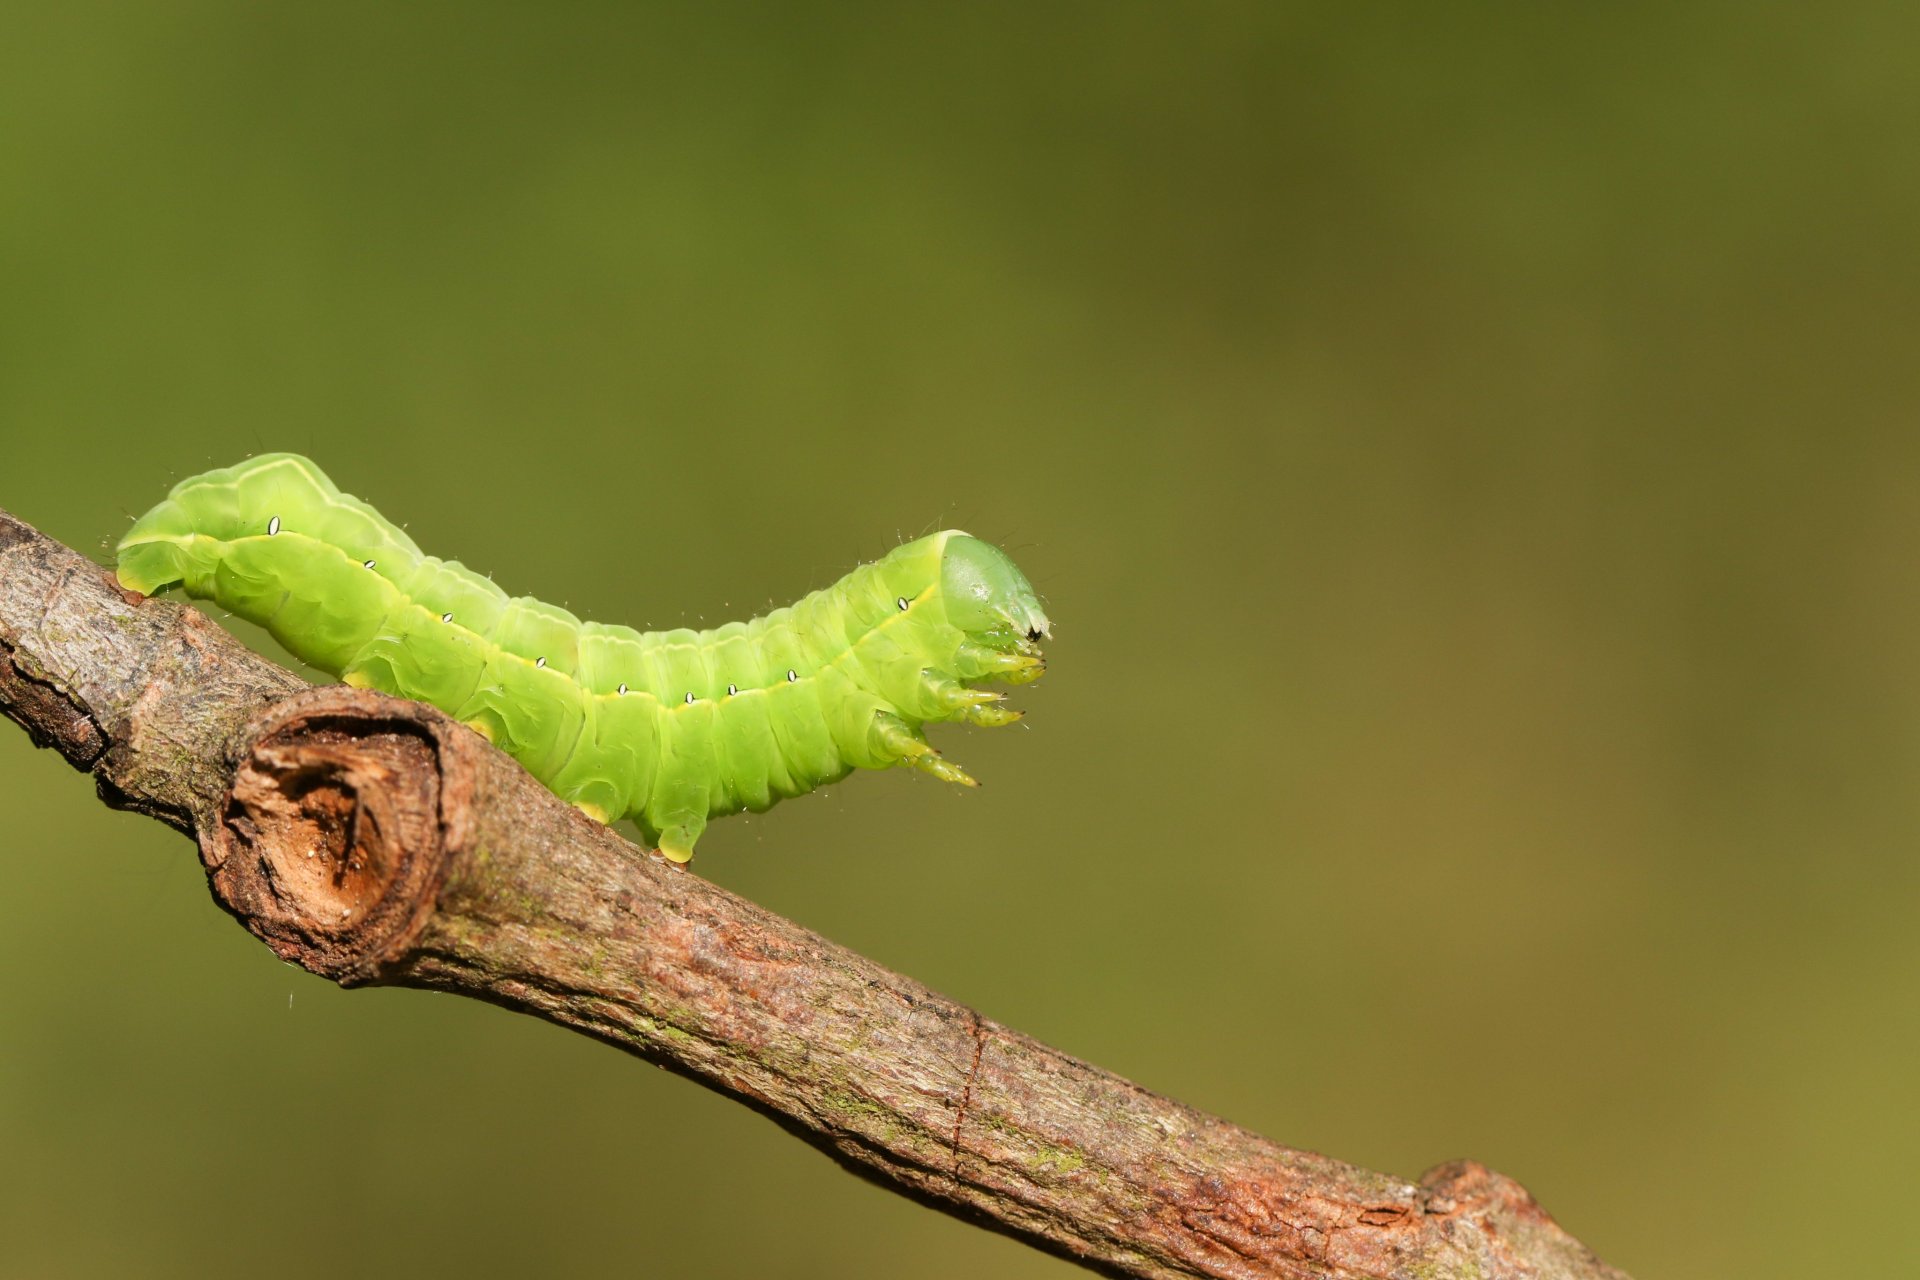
975,706
978,662
901,741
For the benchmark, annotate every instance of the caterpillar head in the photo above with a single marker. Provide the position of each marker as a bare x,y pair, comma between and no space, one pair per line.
989,599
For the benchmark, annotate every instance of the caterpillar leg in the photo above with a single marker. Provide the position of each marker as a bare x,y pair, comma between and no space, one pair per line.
975,706
904,743
677,841
977,662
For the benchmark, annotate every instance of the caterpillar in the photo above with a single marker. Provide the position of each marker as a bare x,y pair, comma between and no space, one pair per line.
666,728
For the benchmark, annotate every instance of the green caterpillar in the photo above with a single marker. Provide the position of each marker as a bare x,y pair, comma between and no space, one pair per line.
668,728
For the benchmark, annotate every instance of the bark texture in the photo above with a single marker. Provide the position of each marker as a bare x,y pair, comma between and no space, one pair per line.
372,840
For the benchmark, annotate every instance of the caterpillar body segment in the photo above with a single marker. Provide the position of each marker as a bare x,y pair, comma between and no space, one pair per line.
668,728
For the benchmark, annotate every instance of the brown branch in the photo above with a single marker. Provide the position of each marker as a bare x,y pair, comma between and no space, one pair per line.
376,841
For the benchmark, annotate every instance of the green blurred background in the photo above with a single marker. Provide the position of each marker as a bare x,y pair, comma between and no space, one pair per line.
1470,452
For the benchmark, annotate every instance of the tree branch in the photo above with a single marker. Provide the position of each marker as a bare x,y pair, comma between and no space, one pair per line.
372,840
